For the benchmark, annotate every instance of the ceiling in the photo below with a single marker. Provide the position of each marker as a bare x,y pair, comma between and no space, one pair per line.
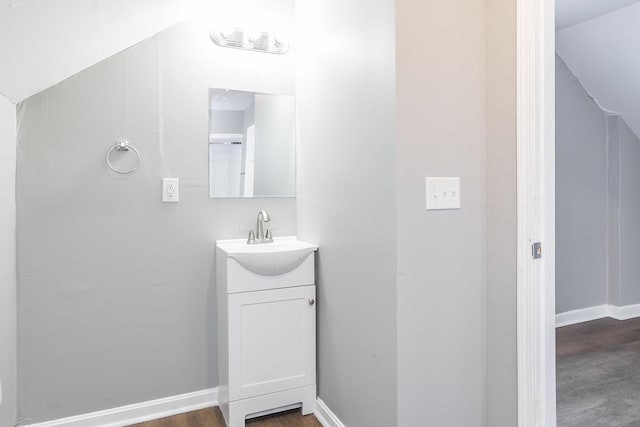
43,42
602,53
572,12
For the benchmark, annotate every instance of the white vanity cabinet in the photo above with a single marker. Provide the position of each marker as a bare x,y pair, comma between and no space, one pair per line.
266,328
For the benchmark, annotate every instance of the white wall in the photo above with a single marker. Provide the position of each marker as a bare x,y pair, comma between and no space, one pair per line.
8,326
347,197
275,168
221,121
117,293
249,120
441,113
581,196
54,39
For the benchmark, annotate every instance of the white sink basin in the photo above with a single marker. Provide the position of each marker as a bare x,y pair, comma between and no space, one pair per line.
268,259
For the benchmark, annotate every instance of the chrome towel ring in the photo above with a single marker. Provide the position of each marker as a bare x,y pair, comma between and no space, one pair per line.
123,146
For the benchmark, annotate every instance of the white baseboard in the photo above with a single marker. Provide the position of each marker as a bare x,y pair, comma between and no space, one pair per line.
166,407
624,312
139,412
572,317
582,315
326,417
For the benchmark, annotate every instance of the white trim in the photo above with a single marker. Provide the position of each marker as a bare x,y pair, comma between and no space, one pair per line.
139,412
527,309
624,312
535,111
166,407
581,315
547,129
326,417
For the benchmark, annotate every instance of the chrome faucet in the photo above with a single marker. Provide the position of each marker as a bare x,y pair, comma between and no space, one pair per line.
263,216
260,236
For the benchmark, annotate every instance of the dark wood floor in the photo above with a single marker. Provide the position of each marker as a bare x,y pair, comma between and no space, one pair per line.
213,418
601,334
598,374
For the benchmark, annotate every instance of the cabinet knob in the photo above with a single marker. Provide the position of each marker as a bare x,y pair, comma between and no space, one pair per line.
312,301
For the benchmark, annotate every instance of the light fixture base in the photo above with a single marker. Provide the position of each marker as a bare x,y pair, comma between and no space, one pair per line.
238,38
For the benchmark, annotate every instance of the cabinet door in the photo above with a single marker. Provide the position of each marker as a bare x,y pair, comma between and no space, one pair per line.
272,341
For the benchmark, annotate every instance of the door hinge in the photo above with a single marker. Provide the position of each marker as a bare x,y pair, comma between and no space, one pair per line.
536,250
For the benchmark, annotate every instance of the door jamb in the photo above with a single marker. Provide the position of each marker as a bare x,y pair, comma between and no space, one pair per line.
535,110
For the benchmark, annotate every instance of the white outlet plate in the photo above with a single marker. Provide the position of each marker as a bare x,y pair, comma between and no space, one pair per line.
170,190
443,193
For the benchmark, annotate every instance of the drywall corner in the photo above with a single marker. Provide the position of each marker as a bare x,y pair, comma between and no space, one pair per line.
8,302
613,210
501,216
629,219
581,195
346,199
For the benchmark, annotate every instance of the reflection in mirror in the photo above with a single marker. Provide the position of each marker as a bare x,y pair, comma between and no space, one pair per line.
251,144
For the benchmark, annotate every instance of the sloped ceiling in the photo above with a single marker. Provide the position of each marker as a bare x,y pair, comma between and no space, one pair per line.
572,12
43,42
603,54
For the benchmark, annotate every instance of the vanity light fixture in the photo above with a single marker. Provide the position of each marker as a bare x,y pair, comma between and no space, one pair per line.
258,41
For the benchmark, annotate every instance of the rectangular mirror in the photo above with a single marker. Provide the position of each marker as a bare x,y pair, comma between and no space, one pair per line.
251,144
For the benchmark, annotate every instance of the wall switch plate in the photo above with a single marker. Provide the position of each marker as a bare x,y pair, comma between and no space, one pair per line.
170,190
443,193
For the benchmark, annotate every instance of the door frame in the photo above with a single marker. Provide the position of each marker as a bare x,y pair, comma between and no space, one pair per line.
535,110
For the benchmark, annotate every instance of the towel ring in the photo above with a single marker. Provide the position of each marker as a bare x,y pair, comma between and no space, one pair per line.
123,146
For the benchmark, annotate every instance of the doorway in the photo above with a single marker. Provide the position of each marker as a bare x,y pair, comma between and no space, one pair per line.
537,150
597,213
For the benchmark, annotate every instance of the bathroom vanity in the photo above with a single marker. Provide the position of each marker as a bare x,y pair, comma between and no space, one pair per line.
266,327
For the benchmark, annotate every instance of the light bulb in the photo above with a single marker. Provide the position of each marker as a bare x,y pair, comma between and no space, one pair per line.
253,35
279,40
227,32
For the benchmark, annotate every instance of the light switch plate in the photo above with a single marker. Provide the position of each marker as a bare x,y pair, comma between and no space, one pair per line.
170,190
443,193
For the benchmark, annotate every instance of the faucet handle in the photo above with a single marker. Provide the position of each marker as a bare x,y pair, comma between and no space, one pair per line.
252,237
268,237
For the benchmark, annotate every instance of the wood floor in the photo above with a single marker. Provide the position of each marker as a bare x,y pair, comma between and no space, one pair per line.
601,334
212,417
598,374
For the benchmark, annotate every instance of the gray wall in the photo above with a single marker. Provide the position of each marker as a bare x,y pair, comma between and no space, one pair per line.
501,220
581,196
8,318
441,116
597,201
613,210
117,299
347,197
629,215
